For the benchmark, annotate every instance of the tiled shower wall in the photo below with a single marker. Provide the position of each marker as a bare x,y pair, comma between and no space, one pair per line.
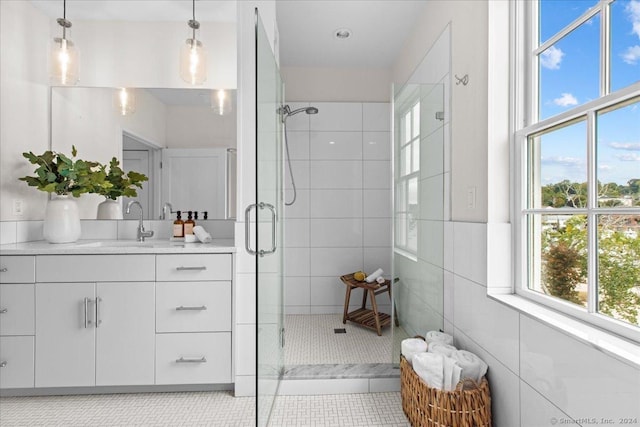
341,219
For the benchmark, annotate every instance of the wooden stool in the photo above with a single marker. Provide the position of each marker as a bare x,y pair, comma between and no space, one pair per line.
371,319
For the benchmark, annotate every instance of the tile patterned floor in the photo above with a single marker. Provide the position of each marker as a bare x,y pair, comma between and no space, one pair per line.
200,409
310,339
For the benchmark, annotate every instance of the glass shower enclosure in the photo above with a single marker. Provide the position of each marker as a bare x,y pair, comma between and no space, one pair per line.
267,214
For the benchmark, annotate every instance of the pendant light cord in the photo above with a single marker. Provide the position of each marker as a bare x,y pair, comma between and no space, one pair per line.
194,20
64,18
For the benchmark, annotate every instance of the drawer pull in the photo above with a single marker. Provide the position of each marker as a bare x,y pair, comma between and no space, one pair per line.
193,360
183,308
4,270
3,364
191,268
4,310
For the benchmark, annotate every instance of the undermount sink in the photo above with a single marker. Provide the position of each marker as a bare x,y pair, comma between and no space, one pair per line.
122,243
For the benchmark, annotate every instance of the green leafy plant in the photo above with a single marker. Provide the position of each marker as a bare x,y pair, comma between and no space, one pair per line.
118,183
59,174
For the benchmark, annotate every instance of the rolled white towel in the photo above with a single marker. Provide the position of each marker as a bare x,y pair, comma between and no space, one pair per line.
451,374
202,234
472,366
373,276
435,336
441,348
411,347
430,367
380,280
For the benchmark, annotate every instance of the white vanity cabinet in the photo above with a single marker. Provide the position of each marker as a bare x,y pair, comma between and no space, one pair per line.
17,312
92,326
193,318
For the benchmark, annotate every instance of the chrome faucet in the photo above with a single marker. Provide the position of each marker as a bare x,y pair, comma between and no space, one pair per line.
141,233
164,210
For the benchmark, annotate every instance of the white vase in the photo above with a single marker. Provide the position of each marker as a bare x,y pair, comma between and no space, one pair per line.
110,209
61,220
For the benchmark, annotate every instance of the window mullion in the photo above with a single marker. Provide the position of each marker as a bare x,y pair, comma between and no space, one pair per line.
605,38
592,223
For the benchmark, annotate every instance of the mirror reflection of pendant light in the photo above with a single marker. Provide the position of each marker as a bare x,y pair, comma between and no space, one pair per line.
220,102
124,101
64,55
193,61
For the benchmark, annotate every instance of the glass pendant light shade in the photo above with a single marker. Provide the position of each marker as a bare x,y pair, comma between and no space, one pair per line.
193,62
220,102
64,62
64,55
124,101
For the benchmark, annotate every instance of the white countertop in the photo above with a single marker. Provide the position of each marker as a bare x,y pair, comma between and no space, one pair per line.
97,247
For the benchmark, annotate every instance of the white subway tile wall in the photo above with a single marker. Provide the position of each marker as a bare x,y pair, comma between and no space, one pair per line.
341,220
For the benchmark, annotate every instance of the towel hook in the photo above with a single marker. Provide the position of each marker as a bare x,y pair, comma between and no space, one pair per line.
464,80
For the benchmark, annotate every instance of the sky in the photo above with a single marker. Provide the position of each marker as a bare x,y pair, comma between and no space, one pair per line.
569,76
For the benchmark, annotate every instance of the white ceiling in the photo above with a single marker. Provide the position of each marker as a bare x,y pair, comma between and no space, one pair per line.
379,27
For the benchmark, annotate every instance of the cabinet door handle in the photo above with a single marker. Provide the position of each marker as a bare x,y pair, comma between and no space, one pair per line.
4,310
3,364
98,321
192,360
4,270
191,268
86,310
183,308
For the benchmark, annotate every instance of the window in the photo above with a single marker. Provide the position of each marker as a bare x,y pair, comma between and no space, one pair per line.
407,172
577,145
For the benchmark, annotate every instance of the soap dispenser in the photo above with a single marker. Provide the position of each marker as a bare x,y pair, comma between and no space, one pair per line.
178,226
189,223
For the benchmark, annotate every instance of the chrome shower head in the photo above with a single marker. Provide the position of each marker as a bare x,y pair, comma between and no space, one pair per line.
285,111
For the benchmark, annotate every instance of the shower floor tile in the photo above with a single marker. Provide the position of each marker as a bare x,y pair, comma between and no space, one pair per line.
311,340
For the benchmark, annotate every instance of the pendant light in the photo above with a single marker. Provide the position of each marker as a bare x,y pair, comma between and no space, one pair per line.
124,101
220,102
193,61
64,55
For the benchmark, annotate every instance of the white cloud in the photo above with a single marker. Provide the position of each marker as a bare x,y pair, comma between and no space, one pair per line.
630,146
604,167
566,100
551,58
562,160
632,55
631,157
633,9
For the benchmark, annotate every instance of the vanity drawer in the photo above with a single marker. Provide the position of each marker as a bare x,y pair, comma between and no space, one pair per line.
193,306
17,269
191,267
16,362
17,307
193,358
95,268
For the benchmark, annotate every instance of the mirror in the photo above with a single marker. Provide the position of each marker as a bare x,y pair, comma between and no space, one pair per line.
174,136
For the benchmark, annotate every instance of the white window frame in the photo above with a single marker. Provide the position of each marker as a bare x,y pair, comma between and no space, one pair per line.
406,109
524,81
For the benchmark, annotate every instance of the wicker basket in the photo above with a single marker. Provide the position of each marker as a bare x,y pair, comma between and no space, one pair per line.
468,406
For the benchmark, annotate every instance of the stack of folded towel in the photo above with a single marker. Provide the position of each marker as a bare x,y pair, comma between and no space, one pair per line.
441,365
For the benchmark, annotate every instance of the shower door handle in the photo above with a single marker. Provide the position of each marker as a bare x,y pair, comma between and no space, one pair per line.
274,220
247,229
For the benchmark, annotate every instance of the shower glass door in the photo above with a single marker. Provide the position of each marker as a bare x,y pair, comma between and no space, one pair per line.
269,234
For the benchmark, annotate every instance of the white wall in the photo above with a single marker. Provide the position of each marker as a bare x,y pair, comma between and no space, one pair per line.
341,220
199,127
337,84
536,372
24,104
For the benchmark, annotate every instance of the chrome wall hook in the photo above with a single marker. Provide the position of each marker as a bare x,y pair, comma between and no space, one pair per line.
464,80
